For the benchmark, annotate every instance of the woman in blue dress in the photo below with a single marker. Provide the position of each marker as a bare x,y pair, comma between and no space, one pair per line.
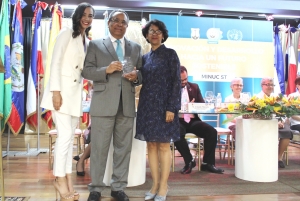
159,103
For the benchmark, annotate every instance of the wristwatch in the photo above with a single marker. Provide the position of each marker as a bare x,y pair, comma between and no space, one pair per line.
137,79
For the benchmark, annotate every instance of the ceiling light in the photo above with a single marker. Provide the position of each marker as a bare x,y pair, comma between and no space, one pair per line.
280,16
75,6
269,17
198,13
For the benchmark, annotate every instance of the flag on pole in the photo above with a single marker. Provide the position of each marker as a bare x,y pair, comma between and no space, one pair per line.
279,64
298,71
5,78
36,65
85,115
16,119
56,11
292,71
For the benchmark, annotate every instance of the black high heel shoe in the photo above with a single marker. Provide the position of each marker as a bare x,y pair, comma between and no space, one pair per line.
76,158
79,173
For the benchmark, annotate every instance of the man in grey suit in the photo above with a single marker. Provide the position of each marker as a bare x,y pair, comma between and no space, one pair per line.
113,104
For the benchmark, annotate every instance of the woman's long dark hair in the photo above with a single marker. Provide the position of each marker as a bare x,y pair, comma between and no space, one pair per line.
76,17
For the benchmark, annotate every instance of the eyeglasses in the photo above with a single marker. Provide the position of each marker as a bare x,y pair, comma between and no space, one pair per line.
269,85
157,32
117,21
238,85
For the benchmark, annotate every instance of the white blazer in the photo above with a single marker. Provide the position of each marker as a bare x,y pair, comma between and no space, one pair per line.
65,73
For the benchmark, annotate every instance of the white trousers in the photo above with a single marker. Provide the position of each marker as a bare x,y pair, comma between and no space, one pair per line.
63,151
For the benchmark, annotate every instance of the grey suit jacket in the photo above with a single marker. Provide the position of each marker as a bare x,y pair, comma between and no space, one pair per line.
108,87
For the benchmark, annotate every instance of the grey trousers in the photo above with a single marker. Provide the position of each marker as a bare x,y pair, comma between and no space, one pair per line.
120,127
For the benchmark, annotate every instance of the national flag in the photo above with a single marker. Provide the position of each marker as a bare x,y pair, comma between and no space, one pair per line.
292,71
36,65
56,11
5,78
298,71
85,115
278,64
16,119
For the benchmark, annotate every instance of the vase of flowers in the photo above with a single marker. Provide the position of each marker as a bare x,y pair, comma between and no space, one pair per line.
268,108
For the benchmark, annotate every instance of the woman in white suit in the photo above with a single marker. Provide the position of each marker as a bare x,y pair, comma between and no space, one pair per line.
63,94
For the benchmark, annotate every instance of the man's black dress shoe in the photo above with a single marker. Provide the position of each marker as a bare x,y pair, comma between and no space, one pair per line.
187,169
94,196
211,168
119,195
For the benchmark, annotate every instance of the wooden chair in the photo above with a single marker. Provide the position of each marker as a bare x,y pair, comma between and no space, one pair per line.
226,147
286,152
52,138
197,149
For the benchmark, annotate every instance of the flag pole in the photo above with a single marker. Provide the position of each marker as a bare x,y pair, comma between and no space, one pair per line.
1,168
8,141
38,114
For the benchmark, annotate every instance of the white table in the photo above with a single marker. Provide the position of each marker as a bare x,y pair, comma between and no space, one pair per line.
256,150
137,166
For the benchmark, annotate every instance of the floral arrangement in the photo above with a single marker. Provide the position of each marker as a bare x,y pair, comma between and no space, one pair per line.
279,106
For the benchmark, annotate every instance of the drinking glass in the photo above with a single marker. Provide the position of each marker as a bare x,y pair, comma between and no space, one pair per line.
209,95
246,96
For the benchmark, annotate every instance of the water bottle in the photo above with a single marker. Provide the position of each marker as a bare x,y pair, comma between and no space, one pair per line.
218,100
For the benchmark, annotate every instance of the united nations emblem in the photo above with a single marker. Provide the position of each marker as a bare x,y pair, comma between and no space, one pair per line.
234,35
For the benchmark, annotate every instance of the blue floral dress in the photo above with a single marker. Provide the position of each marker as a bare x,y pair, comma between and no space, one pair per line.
160,93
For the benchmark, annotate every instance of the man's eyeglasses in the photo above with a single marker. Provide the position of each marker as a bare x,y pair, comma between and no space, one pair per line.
269,85
117,21
238,85
157,32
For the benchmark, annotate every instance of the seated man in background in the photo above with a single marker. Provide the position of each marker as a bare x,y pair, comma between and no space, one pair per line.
284,132
193,124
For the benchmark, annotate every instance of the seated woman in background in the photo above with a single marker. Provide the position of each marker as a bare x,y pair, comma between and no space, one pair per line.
295,120
284,135
236,86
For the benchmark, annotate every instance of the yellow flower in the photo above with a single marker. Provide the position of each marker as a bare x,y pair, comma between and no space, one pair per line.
230,107
276,109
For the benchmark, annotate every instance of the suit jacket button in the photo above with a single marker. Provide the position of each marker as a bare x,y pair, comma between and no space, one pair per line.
75,80
76,67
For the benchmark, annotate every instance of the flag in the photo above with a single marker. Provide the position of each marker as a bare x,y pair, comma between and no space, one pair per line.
292,67
85,115
5,78
279,64
36,65
16,119
54,30
298,72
